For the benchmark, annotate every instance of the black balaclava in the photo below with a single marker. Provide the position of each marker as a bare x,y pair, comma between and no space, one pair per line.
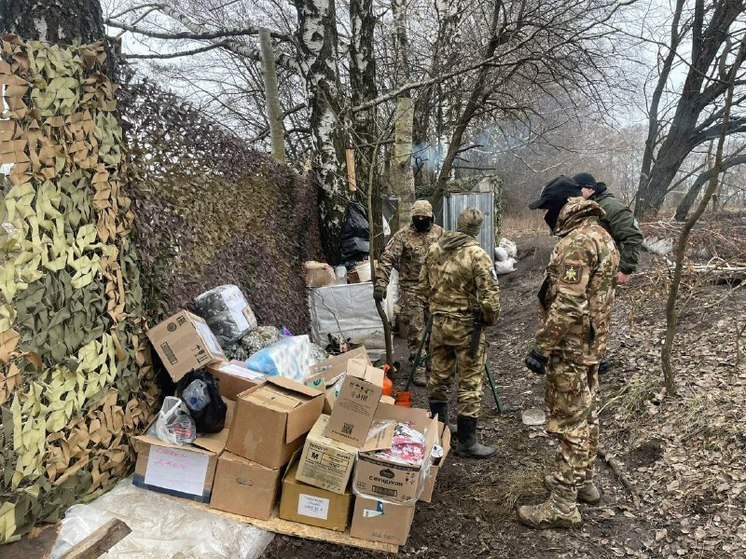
553,210
422,223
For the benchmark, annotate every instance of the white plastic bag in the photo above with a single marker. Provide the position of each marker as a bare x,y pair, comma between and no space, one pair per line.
227,312
505,267
174,424
501,255
509,246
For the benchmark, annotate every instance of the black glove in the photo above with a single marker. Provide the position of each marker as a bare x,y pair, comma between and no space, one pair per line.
379,293
536,362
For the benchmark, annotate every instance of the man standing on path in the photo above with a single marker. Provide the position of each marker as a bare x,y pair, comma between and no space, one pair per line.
576,299
463,295
619,221
406,250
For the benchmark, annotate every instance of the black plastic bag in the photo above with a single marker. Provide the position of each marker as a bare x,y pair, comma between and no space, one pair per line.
211,418
355,236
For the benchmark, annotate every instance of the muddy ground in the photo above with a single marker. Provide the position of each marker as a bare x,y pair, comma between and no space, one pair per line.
472,513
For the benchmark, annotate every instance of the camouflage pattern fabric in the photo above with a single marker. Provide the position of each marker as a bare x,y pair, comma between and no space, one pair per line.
578,290
457,283
577,296
450,342
413,316
407,250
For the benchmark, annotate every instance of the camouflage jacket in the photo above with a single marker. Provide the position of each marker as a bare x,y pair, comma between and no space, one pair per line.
622,225
578,290
457,279
406,250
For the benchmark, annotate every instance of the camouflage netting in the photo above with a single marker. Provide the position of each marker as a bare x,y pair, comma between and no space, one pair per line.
75,375
211,211
75,282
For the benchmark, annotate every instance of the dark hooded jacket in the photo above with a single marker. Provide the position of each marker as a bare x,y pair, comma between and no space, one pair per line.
620,222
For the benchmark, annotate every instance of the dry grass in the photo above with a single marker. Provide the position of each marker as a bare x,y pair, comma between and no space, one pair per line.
513,225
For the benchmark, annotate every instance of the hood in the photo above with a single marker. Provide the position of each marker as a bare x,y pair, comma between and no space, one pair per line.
577,210
451,240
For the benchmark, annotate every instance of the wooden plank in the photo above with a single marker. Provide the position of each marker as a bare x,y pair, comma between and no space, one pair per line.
100,541
280,526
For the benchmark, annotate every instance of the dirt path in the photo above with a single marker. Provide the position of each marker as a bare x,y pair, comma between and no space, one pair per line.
472,514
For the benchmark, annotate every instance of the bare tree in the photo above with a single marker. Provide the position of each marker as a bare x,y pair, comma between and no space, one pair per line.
698,112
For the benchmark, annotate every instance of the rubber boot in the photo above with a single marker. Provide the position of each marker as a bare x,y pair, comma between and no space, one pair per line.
467,440
559,511
604,366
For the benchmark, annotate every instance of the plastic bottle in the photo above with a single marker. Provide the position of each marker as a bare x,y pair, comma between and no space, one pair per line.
195,395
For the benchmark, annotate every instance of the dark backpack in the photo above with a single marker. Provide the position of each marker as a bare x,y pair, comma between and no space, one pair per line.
211,419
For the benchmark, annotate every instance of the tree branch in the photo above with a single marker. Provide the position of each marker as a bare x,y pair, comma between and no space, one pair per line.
209,47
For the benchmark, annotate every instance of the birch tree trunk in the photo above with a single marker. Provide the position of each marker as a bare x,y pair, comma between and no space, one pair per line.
403,175
272,95
61,21
317,38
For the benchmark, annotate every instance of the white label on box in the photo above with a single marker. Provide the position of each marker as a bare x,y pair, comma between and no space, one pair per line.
369,513
315,507
208,337
243,372
178,470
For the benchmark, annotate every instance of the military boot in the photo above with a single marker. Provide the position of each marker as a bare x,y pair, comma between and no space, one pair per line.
588,492
420,379
467,440
559,511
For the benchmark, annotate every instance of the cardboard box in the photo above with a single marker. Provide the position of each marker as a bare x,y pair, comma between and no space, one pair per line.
330,370
183,471
353,411
377,521
325,463
234,378
398,483
245,487
272,419
184,342
311,505
445,442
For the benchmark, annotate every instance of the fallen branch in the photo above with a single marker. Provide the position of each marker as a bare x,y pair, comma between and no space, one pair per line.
100,541
616,467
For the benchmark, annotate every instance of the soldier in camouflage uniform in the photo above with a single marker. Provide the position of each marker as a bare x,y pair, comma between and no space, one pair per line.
576,300
406,250
463,295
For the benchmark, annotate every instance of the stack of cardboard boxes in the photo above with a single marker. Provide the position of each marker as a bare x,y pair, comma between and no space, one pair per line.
309,447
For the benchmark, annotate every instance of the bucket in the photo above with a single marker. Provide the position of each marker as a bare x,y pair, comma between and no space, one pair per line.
363,271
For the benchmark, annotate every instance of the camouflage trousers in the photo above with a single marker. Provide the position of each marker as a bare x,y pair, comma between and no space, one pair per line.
450,350
413,316
571,399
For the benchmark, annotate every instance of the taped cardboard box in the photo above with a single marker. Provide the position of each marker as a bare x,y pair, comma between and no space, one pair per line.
330,370
378,521
272,419
376,477
356,405
245,487
445,443
234,377
312,505
325,463
183,471
184,342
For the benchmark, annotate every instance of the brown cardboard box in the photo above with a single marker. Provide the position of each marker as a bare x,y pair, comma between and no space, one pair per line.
353,411
311,505
377,521
272,419
319,274
445,442
398,483
184,471
331,369
234,378
325,463
245,487
184,342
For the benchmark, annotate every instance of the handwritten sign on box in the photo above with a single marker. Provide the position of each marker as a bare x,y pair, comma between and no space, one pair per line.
176,469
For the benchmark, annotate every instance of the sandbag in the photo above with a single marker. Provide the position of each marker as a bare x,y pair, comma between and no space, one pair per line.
227,312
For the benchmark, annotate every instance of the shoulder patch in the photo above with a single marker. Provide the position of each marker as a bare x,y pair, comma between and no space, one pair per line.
571,273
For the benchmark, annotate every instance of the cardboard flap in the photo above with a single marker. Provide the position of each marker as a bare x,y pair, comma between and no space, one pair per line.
380,436
301,420
333,367
275,399
360,369
294,386
154,441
